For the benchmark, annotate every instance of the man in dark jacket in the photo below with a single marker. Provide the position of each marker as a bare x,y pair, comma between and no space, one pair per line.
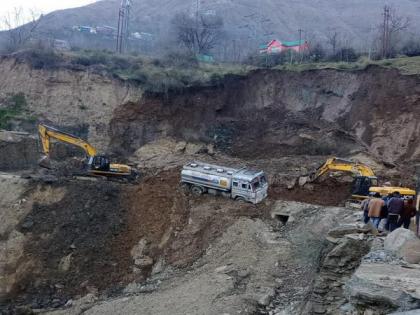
395,209
408,212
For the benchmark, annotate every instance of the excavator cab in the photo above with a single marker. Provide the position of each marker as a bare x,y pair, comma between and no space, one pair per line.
99,163
361,185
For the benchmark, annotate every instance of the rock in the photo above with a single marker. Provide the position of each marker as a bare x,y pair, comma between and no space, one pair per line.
27,223
210,149
49,179
396,240
414,312
291,183
145,261
221,269
343,230
194,148
138,249
410,252
375,286
319,309
347,253
303,180
265,298
180,146
69,303
65,262
309,187
158,267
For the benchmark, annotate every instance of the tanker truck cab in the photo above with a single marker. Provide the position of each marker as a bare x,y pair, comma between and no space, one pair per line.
249,185
239,184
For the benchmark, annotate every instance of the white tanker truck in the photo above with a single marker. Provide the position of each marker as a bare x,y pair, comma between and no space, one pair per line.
239,184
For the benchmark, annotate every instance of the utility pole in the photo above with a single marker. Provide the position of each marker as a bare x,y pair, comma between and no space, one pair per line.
300,44
300,38
386,38
123,31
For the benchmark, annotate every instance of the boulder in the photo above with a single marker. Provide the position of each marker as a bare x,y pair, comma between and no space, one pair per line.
343,230
144,261
413,312
194,148
411,251
384,287
65,263
396,240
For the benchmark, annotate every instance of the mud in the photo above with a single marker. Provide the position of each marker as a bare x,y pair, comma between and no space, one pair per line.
83,242
330,192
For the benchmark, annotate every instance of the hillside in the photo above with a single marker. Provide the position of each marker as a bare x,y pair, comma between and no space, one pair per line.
246,23
77,245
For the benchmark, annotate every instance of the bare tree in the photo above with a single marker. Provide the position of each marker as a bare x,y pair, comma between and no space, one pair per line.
20,27
391,28
332,40
198,34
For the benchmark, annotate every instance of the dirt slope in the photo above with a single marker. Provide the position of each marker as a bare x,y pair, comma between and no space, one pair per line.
276,113
80,101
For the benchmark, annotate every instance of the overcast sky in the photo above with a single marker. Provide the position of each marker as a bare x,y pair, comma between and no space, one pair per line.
40,6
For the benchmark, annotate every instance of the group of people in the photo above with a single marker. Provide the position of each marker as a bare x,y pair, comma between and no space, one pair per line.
393,208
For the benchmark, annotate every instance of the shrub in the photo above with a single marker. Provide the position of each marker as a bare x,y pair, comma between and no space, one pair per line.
411,48
40,58
345,54
177,59
15,104
91,58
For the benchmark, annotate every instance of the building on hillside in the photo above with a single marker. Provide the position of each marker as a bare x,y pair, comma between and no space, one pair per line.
277,47
60,44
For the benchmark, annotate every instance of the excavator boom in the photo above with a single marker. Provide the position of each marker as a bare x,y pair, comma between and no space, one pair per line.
365,181
48,132
337,164
98,165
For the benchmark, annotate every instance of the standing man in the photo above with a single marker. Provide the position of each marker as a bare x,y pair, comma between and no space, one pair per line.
395,209
375,206
408,212
365,209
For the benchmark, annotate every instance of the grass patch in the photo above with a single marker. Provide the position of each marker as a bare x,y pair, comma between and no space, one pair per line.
405,65
14,108
174,72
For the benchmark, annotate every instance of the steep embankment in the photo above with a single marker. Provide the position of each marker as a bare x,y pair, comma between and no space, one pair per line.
274,112
266,113
81,101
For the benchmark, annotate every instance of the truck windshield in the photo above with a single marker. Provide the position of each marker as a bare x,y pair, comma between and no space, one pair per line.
255,186
263,180
258,183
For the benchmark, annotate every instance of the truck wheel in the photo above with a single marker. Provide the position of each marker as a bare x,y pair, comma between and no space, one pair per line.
185,187
240,199
197,190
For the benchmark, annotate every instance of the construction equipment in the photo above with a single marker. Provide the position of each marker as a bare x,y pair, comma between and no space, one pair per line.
239,184
364,182
97,165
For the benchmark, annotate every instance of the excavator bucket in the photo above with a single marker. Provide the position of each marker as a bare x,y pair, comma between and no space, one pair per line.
45,162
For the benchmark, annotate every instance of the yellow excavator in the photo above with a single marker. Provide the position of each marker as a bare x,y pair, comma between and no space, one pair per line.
364,182
97,165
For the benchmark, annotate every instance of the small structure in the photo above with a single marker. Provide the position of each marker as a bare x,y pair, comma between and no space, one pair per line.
276,47
60,44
